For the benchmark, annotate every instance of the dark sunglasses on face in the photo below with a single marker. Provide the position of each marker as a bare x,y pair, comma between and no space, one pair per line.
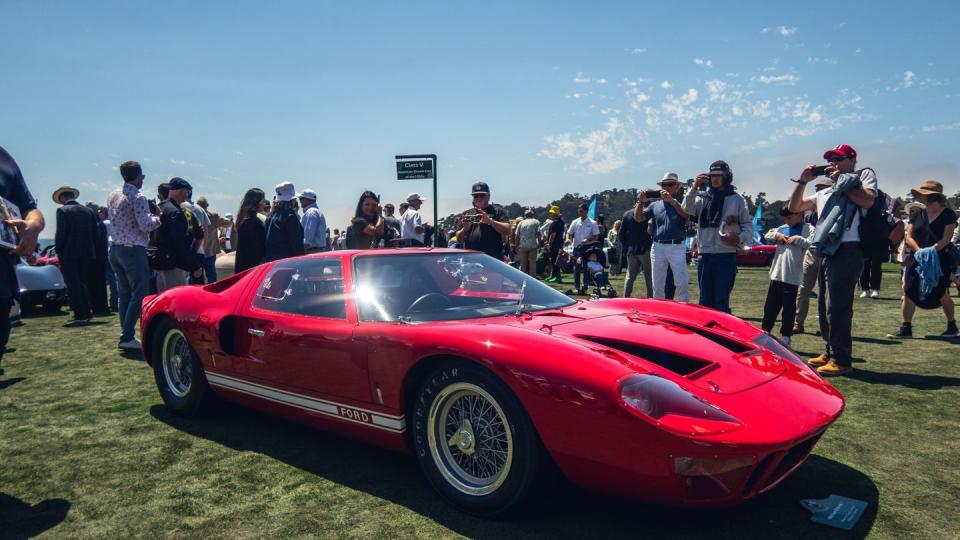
480,195
837,159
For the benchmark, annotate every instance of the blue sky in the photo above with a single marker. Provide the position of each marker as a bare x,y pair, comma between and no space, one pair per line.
537,98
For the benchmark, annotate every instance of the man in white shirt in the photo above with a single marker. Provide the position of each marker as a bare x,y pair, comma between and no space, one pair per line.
582,229
314,223
411,223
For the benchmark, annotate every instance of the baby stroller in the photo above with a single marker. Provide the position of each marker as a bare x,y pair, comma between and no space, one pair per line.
591,255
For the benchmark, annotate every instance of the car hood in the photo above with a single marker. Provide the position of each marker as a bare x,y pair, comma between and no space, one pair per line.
711,350
39,278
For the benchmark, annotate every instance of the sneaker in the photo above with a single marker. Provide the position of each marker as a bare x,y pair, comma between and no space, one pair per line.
785,341
821,360
905,331
874,294
864,294
797,329
131,345
951,330
832,369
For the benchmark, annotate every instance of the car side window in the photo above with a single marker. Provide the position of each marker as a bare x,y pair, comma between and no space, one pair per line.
311,287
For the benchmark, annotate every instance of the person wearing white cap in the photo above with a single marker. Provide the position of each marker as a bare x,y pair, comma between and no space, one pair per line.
227,233
284,234
669,249
411,223
314,223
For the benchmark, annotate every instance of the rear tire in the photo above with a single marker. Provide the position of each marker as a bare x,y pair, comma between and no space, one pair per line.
474,441
178,371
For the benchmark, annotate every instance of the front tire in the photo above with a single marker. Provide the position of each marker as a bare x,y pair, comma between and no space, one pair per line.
178,371
474,441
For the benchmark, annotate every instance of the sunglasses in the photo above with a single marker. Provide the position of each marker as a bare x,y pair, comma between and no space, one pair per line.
837,159
480,195
668,184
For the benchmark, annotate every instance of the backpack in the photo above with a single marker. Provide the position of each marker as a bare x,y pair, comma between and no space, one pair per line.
879,226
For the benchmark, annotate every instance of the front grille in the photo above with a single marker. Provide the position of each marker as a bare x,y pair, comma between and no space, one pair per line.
773,468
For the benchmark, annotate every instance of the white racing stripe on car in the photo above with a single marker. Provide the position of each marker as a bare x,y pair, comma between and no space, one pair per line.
340,411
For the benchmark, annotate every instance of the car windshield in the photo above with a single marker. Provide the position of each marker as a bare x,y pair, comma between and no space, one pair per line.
445,286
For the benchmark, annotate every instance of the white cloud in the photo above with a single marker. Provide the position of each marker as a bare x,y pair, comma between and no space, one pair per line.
765,30
638,99
784,31
666,85
178,162
638,51
941,127
579,95
601,81
581,78
702,62
818,60
777,79
597,152
908,78
238,153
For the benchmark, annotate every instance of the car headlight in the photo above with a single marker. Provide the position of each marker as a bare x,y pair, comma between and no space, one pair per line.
664,403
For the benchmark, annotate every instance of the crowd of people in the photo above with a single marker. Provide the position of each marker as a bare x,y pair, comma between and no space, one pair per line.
833,238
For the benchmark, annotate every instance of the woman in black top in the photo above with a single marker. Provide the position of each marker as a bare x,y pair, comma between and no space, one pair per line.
366,227
250,236
932,227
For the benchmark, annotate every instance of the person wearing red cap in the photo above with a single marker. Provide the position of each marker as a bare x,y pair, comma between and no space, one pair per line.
840,271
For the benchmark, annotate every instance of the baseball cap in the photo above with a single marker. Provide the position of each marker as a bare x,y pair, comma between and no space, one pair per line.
554,209
285,191
308,194
480,188
179,183
414,197
840,150
719,167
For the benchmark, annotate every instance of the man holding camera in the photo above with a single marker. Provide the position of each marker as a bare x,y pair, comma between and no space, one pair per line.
669,248
484,226
840,266
723,224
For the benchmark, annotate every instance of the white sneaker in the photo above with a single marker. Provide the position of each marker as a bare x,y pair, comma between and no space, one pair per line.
132,345
864,294
785,341
874,294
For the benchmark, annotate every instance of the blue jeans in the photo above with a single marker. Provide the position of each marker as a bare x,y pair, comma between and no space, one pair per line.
716,273
130,265
210,268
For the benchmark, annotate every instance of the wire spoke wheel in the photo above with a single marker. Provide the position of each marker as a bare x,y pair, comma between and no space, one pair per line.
177,360
470,439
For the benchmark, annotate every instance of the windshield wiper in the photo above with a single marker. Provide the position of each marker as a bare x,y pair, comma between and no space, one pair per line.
523,288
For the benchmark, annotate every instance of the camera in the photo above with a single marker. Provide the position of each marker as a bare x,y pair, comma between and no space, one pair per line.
819,170
652,194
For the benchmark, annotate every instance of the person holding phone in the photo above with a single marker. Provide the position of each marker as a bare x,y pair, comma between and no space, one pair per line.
14,189
723,224
669,249
366,227
840,271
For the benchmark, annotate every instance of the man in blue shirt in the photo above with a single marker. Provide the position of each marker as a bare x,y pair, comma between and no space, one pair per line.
669,249
14,189
314,223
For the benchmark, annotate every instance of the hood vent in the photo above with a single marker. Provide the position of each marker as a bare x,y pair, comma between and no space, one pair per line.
680,365
735,346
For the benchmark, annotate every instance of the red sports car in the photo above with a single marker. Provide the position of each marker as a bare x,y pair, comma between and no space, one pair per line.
490,377
755,255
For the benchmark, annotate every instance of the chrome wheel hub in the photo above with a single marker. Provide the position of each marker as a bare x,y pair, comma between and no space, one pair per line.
470,439
177,363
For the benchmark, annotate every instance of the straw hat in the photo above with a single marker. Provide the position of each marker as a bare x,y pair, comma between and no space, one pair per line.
65,189
928,187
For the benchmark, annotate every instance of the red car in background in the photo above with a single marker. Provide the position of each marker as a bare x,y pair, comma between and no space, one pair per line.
755,255
488,376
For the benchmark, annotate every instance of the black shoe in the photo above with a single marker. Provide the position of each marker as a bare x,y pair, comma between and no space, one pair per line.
905,331
951,330
77,322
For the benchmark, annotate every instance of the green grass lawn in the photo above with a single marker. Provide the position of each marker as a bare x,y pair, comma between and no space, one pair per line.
87,450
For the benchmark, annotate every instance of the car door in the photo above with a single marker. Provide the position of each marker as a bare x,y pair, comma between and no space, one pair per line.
299,335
